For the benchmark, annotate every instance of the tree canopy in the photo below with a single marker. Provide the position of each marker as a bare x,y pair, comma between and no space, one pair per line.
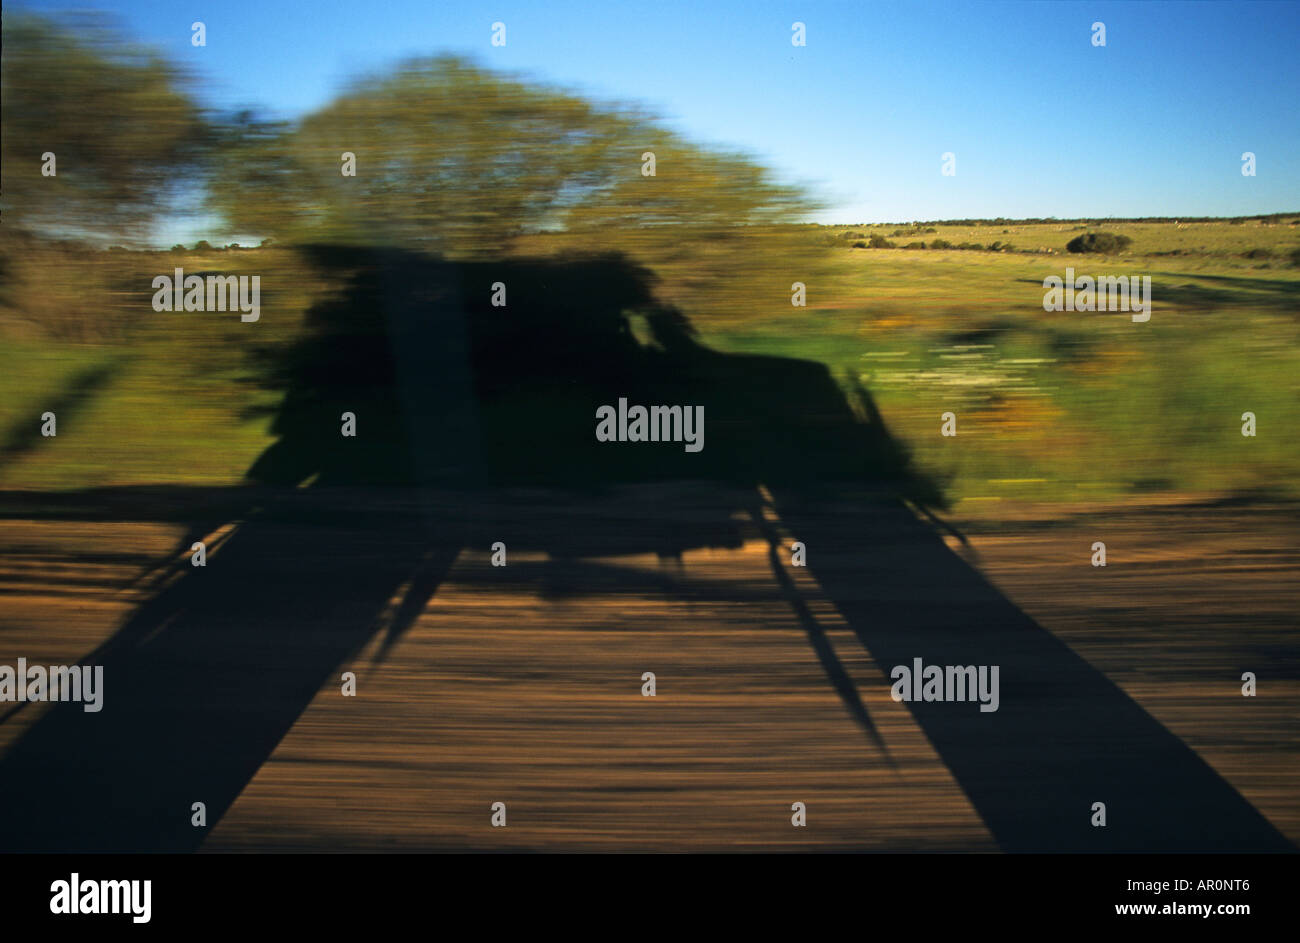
458,160
118,119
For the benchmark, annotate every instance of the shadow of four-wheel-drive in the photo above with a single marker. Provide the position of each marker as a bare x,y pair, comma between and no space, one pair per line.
451,395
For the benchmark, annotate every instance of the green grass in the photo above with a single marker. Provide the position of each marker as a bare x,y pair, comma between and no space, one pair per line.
1065,405
1058,405
169,405
158,418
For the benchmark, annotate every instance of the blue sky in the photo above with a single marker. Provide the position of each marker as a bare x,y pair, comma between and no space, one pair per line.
1041,122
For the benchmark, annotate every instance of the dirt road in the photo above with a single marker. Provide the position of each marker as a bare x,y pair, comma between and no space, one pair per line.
522,684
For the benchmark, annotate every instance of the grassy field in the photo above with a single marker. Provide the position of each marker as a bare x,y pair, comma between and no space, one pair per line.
1049,405
1066,404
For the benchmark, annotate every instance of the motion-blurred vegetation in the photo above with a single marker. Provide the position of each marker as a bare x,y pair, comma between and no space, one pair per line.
466,164
119,120
459,162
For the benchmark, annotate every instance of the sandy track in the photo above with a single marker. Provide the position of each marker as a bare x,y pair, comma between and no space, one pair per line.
523,684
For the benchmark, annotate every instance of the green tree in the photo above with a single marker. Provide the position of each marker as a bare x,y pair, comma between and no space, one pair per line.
1102,242
454,159
116,117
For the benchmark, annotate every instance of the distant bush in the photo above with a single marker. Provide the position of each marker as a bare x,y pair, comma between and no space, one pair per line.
971,247
940,244
929,229
178,248
859,244
880,242
203,246
1103,242
915,245
1295,257
1258,254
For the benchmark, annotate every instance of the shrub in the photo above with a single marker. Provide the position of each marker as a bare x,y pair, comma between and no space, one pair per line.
915,245
1259,254
1103,242
859,244
972,246
1295,257
940,244
203,246
880,242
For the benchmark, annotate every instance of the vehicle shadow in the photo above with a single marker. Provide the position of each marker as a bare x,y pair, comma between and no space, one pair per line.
466,415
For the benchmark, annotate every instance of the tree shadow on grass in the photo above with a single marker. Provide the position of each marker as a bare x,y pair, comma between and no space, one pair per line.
80,390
